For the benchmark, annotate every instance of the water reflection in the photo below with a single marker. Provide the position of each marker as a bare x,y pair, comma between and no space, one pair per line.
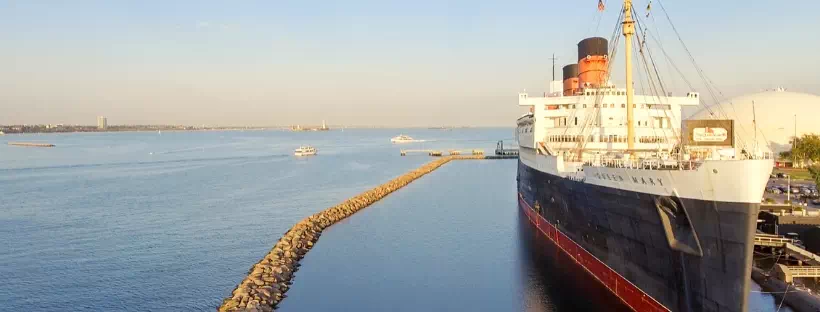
553,284
552,281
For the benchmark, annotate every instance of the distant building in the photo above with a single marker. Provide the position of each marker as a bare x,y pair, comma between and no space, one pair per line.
783,163
770,118
102,122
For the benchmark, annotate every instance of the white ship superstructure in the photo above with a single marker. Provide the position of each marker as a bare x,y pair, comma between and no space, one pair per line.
578,135
597,119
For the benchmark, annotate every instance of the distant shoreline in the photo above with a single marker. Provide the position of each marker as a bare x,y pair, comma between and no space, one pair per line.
49,131
41,129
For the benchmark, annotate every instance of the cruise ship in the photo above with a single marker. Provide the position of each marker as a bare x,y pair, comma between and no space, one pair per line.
658,211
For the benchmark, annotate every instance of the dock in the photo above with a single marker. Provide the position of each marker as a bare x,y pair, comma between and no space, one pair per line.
790,250
799,300
780,282
788,273
437,153
31,144
777,219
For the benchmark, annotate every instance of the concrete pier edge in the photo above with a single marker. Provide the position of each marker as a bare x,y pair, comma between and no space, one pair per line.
269,279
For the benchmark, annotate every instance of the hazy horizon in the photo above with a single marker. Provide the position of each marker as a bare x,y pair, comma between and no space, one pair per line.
426,63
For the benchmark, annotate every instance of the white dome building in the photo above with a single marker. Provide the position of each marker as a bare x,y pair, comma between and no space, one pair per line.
775,110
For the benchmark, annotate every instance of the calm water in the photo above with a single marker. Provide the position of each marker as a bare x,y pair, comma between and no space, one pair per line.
172,221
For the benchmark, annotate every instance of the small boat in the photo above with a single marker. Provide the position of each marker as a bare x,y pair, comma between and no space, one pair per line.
404,139
305,151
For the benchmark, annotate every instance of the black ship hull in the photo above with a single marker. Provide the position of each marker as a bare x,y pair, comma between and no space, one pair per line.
617,238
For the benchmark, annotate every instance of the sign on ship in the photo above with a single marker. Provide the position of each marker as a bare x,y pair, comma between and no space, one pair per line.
710,132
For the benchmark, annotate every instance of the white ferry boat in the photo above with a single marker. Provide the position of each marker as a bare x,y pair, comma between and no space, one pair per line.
404,139
305,151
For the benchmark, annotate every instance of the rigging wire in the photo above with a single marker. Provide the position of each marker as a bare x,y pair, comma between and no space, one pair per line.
784,298
711,88
645,51
597,104
650,80
589,119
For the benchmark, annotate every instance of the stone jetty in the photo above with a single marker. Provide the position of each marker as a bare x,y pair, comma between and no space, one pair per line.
269,279
31,144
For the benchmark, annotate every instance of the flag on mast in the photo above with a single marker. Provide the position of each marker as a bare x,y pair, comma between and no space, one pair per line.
601,5
648,7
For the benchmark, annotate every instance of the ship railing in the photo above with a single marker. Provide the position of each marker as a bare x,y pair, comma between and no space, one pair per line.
644,164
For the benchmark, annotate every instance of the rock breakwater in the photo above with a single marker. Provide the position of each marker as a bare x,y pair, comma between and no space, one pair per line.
269,279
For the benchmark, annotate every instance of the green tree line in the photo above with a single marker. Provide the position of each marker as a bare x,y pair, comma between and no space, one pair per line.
806,149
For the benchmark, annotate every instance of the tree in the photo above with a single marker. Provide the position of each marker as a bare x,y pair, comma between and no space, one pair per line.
806,148
815,174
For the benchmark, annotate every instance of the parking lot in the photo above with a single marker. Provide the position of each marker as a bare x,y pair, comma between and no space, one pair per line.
802,191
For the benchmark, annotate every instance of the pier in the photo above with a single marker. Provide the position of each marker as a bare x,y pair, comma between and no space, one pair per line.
269,279
788,273
789,249
776,219
432,152
780,282
798,300
31,144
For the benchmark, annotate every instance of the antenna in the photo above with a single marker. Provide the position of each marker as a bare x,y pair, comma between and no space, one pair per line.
553,58
794,141
754,122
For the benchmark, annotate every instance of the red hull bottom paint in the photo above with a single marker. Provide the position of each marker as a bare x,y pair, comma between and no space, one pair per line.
631,296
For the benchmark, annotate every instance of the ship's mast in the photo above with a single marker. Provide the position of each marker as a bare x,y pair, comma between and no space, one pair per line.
629,30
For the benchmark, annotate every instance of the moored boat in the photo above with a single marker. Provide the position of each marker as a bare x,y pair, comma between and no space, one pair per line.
404,139
305,151
658,211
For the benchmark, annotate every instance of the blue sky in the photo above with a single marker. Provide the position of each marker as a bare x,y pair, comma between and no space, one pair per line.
358,62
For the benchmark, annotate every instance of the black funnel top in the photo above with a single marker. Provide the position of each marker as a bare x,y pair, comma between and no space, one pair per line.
592,46
570,71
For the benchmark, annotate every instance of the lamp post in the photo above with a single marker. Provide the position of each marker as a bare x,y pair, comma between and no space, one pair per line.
789,190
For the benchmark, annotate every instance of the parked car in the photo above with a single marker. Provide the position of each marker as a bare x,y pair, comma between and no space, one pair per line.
795,190
816,202
781,175
772,176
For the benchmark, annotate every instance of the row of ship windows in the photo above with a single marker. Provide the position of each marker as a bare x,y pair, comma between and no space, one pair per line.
603,139
623,93
573,106
562,122
588,93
